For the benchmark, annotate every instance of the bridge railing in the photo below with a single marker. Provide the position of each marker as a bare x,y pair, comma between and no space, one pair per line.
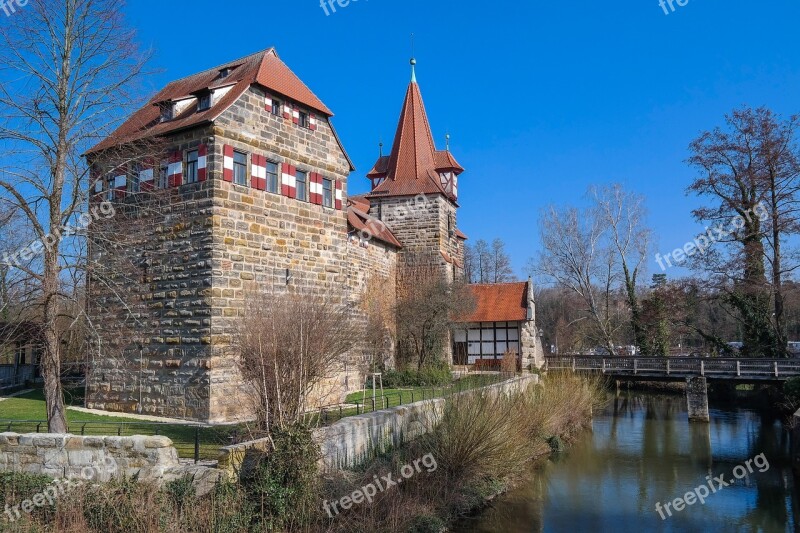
708,366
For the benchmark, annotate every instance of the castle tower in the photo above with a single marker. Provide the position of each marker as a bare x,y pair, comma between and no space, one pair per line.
415,193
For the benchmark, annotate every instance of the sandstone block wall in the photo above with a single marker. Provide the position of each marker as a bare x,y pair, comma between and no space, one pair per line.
168,307
149,286
97,459
353,440
268,243
372,291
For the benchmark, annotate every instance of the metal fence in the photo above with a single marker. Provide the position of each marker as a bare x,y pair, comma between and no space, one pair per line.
197,442
733,368
201,442
368,404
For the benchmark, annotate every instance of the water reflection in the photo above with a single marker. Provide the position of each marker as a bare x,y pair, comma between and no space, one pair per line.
643,450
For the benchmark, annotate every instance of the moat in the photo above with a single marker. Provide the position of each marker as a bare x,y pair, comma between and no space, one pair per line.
642,451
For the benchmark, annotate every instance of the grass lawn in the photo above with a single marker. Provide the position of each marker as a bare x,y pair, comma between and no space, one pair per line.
27,413
395,397
358,397
21,414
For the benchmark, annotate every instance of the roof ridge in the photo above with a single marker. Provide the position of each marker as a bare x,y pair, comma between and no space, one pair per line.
270,49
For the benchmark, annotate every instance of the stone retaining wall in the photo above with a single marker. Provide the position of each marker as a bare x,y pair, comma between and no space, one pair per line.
95,458
355,439
348,442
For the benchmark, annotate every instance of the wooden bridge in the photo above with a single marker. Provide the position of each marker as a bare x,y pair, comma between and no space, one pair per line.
694,371
679,368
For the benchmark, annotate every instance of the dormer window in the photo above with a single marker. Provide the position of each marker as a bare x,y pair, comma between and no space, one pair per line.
167,111
225,72
204,102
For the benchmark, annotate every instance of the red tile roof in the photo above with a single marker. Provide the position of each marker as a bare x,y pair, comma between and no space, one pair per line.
499,302
445,161
360,201
413,166
361,221
262,68
460,235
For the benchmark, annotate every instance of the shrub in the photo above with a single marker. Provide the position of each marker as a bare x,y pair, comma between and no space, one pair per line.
435,374
426,524
480,435
15,487
484,434
791,389
510,362
122,506
18,487
285,483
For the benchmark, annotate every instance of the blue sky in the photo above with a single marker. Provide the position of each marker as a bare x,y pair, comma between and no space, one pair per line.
542,99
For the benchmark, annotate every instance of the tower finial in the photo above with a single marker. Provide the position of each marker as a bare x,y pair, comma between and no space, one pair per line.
413,62
447,141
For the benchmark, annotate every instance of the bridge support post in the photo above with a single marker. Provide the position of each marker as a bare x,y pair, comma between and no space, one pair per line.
697,399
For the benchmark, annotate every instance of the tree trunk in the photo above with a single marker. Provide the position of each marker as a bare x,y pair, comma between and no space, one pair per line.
777,287
51,361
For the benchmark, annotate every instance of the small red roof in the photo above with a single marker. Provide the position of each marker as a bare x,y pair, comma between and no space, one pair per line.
499,302
460,235
361,221
360,201
262,68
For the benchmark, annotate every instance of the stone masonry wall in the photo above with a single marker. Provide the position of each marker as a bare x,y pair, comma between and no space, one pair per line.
258,236
426,228
165,322
348,442
91,458
149,300
372,286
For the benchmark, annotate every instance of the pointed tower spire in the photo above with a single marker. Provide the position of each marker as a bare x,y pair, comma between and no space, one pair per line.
413,62
414,165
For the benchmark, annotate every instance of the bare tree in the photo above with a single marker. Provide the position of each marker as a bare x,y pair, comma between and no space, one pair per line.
483,261
748,170
500,263
289,344
68,72
377,305
576,255
470,264
777,150
426,314
623,213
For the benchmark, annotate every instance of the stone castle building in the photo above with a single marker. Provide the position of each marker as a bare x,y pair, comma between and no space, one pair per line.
234,181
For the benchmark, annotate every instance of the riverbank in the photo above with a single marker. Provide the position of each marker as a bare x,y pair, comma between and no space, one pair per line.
642,450
481,445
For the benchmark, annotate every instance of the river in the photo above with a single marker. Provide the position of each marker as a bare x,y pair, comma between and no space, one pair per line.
642,451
